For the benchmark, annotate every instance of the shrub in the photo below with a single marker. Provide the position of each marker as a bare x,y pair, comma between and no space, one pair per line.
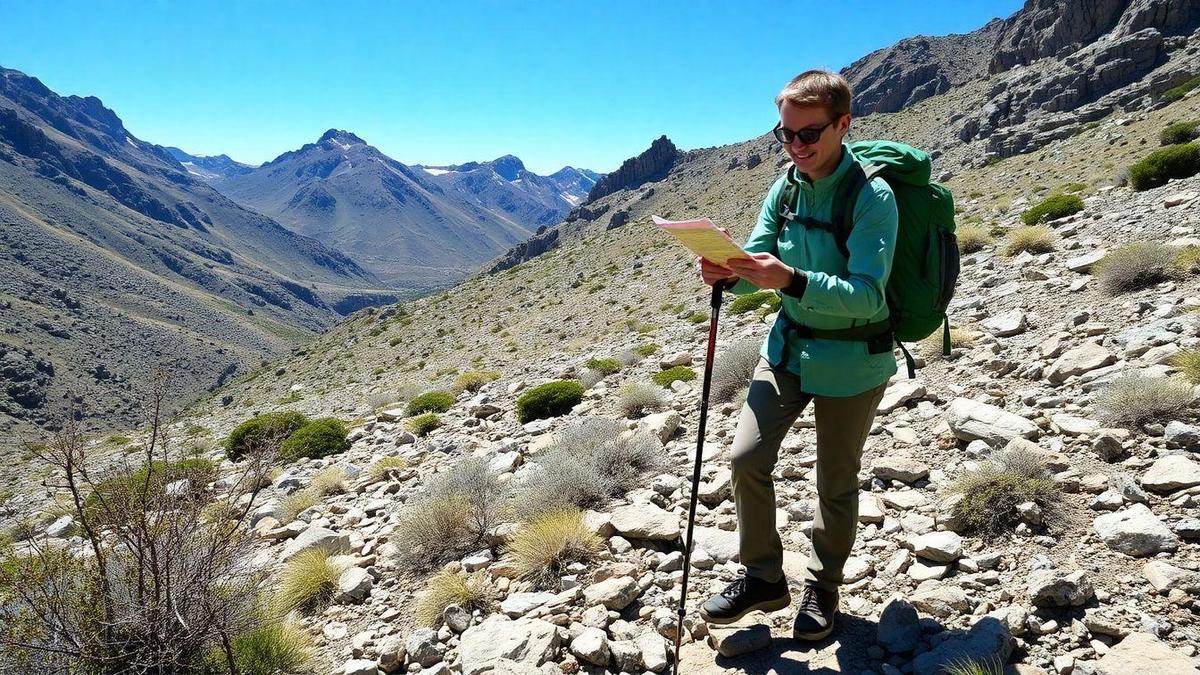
590,378
972,238
733,368
473,380
1052,208
666,377
1179,132
1031,238
271,647
628,357
386,467
637,399
604,366
698,317
991,493
542,549
1176,93
307,582
328,481
317,438
593,461
1188,259
452,515
1134,400
931,347
1135,266
262,431
1154,170
752,301
433,401
421,425
645,350
549,400
1188,363
451,588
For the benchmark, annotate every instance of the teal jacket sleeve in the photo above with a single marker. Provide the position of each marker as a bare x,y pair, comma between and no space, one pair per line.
764,238
872,242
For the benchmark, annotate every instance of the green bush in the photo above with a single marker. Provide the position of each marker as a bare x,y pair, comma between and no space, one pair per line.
270,647
1135,266
549,400
1052,208
698,317
645,349
1176,93
421,425
1155,169
666,377
990,494
604,366
1179,132
262,431
318,438
752,301
433,401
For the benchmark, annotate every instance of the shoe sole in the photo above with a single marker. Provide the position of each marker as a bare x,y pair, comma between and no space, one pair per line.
765,606
813,637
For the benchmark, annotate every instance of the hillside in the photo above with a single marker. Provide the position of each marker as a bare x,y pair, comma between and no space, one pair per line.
416,228
116,261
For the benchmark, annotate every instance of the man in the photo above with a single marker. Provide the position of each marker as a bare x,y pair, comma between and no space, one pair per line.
825,290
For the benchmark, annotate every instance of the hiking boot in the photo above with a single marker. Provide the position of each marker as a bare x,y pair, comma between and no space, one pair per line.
746,594
814,621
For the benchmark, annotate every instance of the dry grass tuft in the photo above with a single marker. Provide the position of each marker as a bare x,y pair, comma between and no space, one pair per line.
1031,238
386,467
638,399
991,493
307,582
1134,400
451,588
543,548
1135,266
1188,363
972,238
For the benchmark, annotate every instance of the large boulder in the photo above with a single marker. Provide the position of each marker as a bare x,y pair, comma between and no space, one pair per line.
645,521
1086,357
316,537
529,641
1136,531
988,641
971,420
1170,473
899,627
1053,588
1142,653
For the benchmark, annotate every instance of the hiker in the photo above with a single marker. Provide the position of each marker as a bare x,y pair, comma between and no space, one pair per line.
826,288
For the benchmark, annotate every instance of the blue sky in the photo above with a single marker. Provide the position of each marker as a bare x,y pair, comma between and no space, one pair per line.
444,82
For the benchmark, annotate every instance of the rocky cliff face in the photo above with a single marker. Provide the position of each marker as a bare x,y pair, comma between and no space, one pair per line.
651,165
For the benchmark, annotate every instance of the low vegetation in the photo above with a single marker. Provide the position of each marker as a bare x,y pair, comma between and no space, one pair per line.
752,301
638,399
307,582
664,378
274,646
421,425
592,462
542,548
1135,400
733,368
385,468
1164,164
452,515
972,238
473,380
606,366
1052,208
1177,93
969,666
1188,363
451,588
316,438
1135,266
991,494
1180,132
261,431
1029,239
549,400
431,401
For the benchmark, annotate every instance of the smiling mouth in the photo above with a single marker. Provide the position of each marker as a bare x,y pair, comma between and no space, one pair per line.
802,155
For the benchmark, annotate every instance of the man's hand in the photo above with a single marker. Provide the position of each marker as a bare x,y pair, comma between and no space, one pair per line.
761,269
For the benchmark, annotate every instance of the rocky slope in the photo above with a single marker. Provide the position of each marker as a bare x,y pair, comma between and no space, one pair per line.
116,261
209,168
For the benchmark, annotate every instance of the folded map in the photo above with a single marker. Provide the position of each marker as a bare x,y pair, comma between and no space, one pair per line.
703,238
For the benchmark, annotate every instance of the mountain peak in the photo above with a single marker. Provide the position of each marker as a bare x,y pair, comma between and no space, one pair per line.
341,137
508,167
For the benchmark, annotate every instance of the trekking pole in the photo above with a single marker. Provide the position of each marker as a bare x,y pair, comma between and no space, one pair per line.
717,289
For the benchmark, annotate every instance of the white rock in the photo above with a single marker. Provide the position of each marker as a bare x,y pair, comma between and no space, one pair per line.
900,392
591,646
1086,357
528,641
1010,323
943,547
354,584
970,420
645,521
614,593
1136,531
1142,653
1171,473
1167,577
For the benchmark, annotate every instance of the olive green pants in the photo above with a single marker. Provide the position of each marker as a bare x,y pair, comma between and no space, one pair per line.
773,403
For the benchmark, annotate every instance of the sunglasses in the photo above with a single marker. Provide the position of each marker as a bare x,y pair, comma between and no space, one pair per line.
807,135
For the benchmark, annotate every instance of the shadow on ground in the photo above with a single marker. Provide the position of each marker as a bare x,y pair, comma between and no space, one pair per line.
843,652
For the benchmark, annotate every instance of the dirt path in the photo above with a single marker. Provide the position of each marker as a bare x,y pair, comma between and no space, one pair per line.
843,652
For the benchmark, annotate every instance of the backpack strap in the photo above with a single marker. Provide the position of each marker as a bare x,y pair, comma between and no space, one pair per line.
846,198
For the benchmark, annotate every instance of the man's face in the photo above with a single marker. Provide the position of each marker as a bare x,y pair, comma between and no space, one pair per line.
818,159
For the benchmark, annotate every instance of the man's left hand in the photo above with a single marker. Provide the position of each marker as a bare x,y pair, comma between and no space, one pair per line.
761,269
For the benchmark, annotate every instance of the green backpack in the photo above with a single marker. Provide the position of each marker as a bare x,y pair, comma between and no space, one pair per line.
925,267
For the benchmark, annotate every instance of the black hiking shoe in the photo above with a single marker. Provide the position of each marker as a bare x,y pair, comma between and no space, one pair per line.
746,594
814,621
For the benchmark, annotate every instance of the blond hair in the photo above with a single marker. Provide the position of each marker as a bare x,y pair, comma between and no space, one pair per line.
818,88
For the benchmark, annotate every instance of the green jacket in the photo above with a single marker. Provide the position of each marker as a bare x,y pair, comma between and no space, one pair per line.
828,291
